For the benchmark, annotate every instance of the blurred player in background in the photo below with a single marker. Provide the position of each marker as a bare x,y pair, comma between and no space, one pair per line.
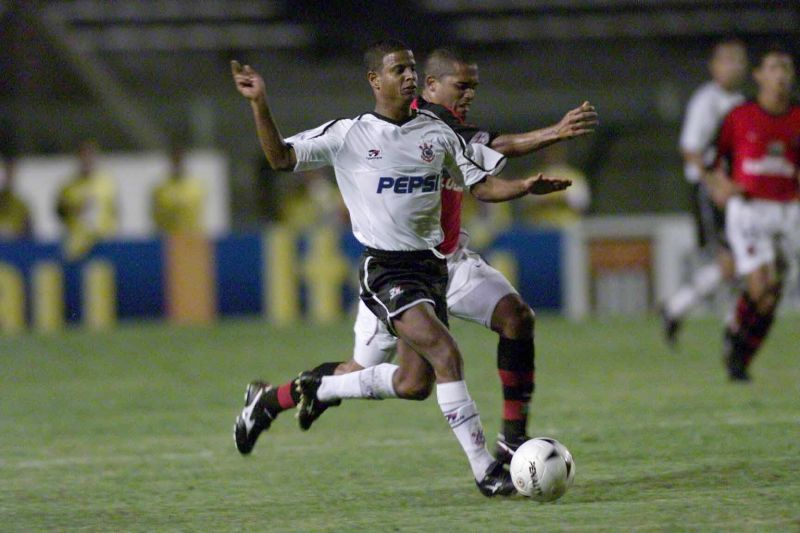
563,208
15,220
388,166
476,291
179,201
760,144
312,202
87,205
707,107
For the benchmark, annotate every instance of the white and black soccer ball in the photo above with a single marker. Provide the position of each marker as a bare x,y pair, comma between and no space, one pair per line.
542,469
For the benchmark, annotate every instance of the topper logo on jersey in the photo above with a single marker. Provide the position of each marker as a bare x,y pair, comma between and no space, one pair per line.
409,184
374,154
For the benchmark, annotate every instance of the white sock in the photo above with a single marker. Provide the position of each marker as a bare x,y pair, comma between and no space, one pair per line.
704,282
461,413
374,383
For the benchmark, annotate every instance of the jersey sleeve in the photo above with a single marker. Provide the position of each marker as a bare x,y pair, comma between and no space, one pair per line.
469,164
318,147
699,125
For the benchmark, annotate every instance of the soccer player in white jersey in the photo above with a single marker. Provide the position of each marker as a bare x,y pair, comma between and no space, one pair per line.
388,166
707,107
475,291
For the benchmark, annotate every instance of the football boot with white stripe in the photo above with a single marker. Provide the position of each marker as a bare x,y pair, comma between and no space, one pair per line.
254,418
309,408
505,448
496,481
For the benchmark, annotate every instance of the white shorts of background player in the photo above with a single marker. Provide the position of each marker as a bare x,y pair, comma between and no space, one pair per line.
756,228
473,292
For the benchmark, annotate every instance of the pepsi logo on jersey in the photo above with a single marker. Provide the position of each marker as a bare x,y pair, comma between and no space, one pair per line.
409,184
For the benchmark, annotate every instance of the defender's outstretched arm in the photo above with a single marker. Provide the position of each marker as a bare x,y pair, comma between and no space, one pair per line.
577,122
494,189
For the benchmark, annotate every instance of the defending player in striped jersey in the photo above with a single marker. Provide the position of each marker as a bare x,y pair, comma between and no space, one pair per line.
704,114
388,166
760,142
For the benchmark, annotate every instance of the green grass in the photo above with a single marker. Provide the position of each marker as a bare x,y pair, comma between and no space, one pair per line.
131,430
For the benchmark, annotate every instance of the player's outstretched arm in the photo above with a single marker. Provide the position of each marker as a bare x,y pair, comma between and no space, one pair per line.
251,85
577,122
494,189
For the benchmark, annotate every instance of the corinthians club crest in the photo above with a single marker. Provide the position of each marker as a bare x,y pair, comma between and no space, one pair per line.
427,152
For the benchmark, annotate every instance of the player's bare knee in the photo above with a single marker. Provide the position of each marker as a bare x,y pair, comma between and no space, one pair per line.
769,299
514,318
418,391
414,386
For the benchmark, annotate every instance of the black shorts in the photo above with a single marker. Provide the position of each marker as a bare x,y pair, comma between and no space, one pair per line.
709,218
392,282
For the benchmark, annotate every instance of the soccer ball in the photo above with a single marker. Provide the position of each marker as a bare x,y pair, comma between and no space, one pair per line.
542,469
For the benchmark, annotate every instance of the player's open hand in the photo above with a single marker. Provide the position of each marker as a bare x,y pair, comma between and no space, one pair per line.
541,184
578,122
248,82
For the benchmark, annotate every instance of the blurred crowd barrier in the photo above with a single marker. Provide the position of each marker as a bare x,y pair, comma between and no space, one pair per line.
135,176
282,274
603,265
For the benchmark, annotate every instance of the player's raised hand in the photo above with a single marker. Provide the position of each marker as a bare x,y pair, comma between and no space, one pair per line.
577,122
248,82
541,184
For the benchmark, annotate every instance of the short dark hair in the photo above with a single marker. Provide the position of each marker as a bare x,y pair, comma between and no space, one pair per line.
730,40
373,57
772,49
442,62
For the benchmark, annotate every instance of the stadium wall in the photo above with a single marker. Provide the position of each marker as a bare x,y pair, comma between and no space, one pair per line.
605,265
279,274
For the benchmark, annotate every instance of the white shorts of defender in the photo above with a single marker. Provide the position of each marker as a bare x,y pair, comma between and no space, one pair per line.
758,230
473,291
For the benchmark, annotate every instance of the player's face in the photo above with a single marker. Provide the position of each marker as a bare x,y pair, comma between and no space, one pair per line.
775,74
729,65
457,90
397,79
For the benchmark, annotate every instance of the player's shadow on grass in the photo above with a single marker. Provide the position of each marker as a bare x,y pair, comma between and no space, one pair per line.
763,473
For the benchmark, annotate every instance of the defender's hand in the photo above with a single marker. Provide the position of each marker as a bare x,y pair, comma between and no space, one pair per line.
721,188
578,122
248,82
541,184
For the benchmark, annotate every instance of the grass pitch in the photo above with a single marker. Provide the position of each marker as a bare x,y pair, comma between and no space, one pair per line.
131,430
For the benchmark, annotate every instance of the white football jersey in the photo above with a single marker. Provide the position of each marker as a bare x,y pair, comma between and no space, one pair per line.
390,174
708,106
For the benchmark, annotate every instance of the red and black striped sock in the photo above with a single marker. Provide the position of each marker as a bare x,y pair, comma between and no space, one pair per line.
749,331
515,364
285,396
